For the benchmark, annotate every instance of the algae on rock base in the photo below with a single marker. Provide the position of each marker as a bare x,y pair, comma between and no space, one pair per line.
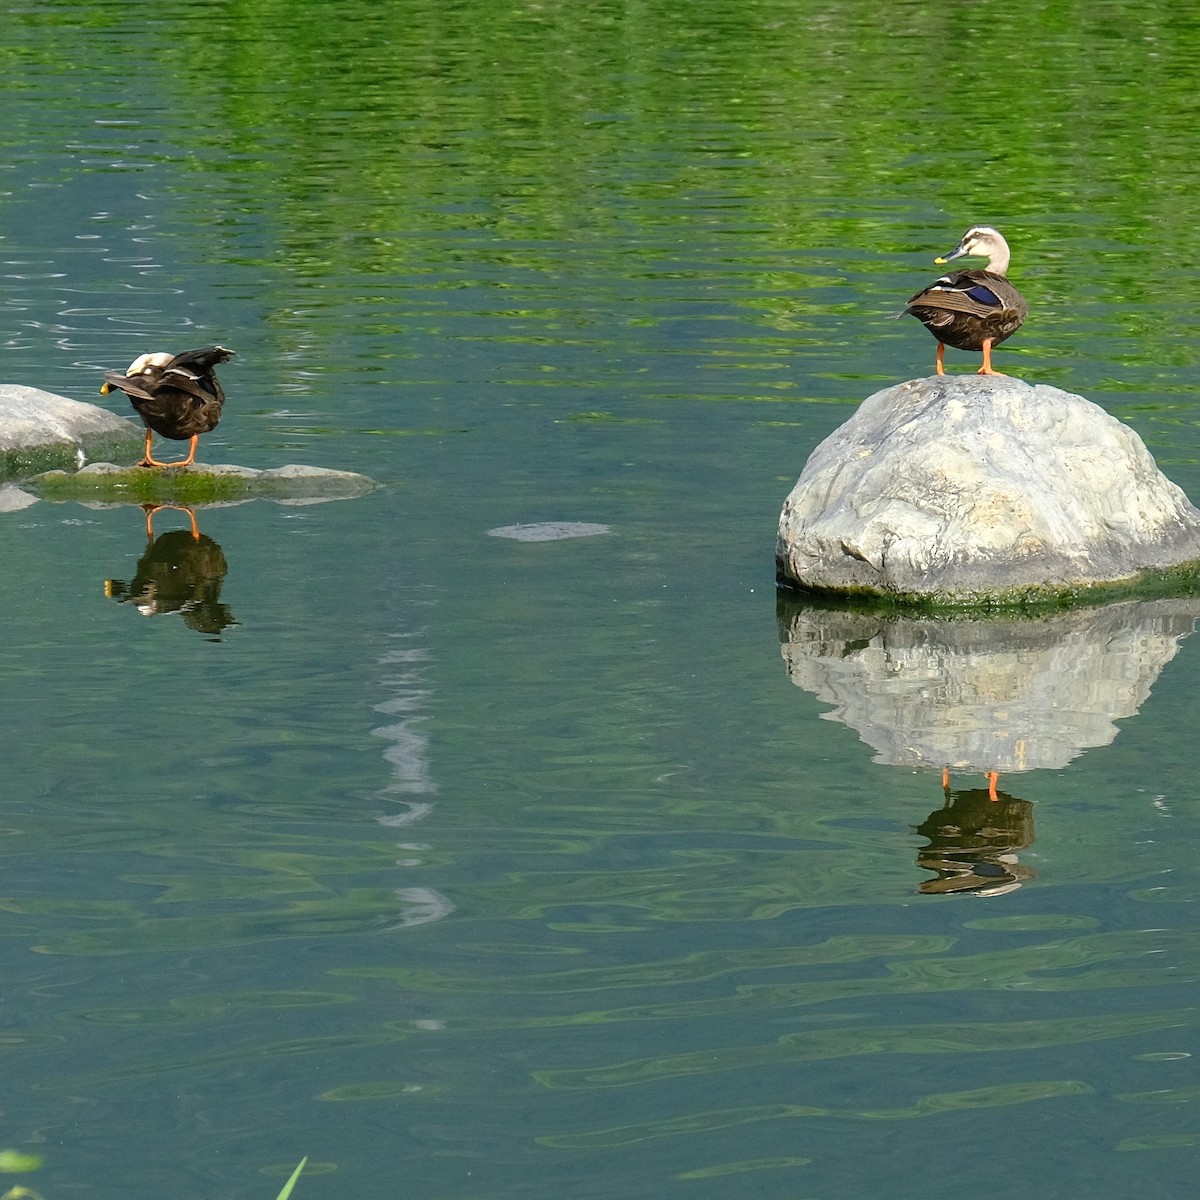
107,483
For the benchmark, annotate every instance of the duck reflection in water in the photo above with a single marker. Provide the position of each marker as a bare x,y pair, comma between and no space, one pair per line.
973,843
180,572
997,694
993,778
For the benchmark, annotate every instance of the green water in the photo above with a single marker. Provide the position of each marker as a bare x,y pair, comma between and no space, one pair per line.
474,867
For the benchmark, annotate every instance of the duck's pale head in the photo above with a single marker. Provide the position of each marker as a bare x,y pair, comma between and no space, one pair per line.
142,365
146,362
982,241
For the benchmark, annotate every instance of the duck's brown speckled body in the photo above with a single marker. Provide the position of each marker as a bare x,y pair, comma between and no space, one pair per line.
976,309
178,396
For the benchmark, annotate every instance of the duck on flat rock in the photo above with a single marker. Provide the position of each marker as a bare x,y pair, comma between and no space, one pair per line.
177,396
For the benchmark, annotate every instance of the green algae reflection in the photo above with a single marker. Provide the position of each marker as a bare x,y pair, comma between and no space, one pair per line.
707,1122
815,1045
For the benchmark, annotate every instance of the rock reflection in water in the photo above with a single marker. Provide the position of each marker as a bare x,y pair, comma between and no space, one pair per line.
180,572
983,693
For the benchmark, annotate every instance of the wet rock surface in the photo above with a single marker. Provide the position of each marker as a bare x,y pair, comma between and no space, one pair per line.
40,431
966,489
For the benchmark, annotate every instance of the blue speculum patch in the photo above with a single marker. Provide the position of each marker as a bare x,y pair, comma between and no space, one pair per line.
983,295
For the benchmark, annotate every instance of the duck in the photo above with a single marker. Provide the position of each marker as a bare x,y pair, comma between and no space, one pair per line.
972,309
177,396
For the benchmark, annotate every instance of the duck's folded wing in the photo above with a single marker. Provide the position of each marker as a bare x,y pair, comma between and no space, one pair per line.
975,298
183,380
203,360
123,383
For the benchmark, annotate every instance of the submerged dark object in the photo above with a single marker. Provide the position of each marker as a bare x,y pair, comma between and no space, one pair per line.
178,396
976,309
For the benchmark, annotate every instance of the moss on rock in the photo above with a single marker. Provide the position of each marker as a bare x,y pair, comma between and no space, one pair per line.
106,483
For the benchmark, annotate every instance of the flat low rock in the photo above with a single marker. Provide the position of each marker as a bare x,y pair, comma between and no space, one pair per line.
202,483
39,431
970,489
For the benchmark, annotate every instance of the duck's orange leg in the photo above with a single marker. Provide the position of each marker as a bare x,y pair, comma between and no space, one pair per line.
191,456
148,460
941,370
987,369
993,778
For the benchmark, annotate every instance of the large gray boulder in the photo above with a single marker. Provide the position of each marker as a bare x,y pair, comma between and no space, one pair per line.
967,489
40,431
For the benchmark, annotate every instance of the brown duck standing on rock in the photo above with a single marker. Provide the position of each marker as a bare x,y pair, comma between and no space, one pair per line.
972,310
176,395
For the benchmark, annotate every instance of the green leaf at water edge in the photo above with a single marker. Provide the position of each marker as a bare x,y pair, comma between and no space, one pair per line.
291,1183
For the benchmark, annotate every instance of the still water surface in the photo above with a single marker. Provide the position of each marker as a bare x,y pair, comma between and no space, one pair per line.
471,866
